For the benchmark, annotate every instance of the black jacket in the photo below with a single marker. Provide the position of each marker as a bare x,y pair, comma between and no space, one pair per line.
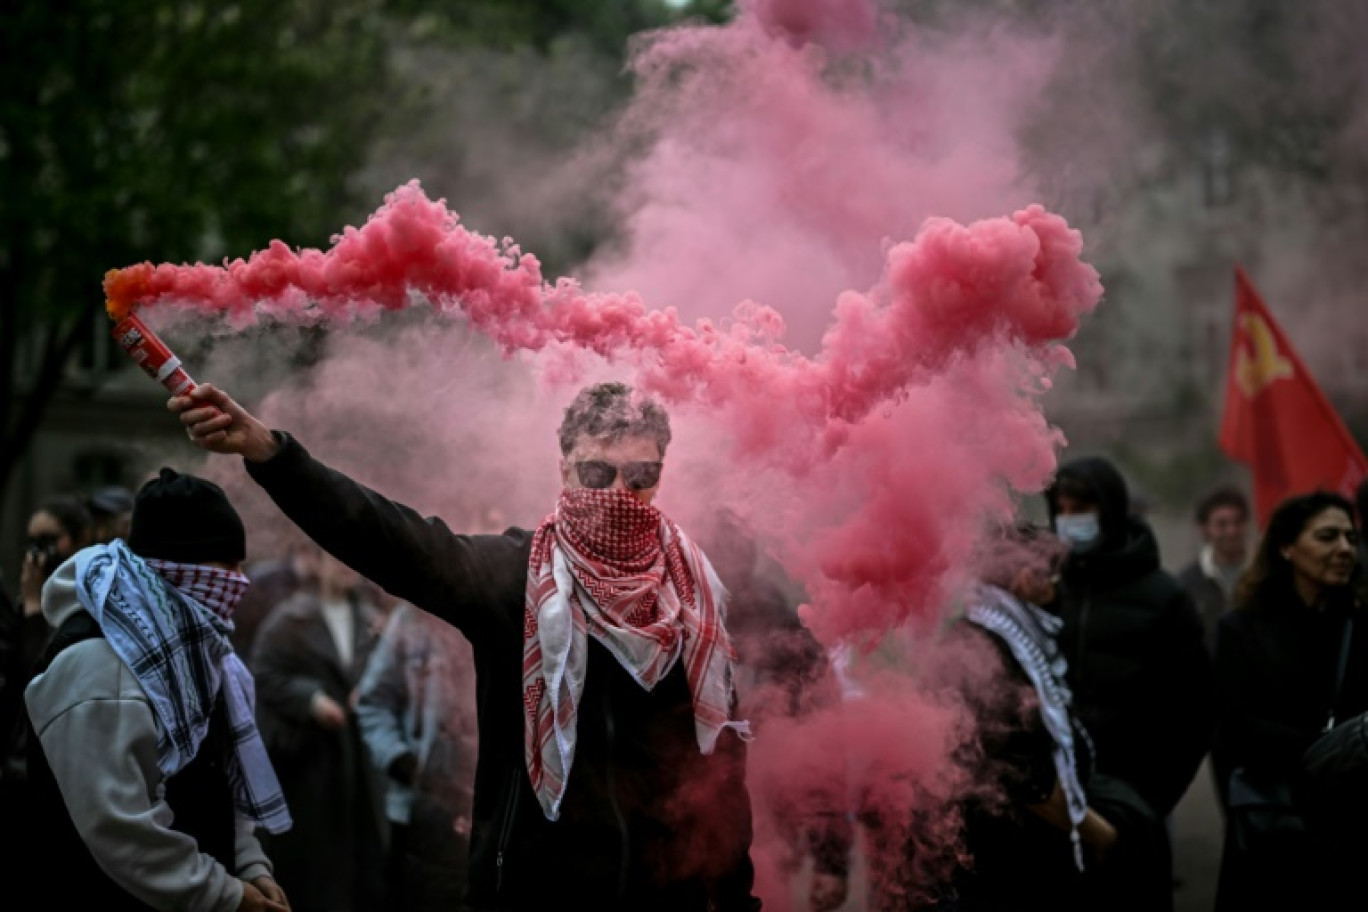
647,820
1275,673
331,858
1275,676
1018,862
1138,667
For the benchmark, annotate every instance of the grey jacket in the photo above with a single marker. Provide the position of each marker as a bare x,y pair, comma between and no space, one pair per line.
98,732
418,697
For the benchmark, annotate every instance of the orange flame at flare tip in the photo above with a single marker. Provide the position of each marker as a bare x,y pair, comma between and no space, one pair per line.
123,289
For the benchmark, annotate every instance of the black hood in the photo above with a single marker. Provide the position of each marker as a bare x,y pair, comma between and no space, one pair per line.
1109,491
1128,548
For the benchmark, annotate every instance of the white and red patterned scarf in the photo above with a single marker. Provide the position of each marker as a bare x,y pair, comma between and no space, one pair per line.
216,589
609,565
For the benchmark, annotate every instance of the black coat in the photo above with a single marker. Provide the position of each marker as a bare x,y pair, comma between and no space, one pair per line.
1017,861
1275,674
647,821
1138,667
332,857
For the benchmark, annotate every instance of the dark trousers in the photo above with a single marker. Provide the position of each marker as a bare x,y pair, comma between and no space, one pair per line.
417,882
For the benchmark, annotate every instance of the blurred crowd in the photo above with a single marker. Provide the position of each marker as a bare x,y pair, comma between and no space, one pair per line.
1118,680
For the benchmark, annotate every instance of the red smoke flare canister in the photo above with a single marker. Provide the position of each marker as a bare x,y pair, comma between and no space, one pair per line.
151,354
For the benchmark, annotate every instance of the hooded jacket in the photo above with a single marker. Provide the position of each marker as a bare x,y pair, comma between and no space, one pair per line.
1138,667
98,781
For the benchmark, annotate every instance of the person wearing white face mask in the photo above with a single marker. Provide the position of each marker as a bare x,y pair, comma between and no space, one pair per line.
1080,530
1138,666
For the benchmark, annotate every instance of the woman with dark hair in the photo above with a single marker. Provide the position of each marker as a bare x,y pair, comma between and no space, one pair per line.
56,530
1291,663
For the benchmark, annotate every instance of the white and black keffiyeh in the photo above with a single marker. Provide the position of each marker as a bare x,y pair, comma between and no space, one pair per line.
1030,634
178,649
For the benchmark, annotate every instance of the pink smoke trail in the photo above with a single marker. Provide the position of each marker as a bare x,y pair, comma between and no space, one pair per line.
948,293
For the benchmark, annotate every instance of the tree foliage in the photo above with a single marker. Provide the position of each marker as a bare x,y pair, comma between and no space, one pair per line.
504,24
163,130
174,130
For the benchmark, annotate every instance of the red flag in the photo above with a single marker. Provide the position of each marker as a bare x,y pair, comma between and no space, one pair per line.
1276,418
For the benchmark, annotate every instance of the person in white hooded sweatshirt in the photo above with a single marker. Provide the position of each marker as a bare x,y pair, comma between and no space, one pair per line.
149,773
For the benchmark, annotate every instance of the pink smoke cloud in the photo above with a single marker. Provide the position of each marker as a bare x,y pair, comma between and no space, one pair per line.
779,197
953,290
841,25
775,172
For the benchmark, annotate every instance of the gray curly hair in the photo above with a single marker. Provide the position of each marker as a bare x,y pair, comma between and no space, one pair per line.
612,411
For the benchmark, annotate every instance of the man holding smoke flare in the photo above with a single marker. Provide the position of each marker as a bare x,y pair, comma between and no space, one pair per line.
611,769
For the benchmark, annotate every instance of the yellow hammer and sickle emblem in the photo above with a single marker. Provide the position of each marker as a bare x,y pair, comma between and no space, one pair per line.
1264,365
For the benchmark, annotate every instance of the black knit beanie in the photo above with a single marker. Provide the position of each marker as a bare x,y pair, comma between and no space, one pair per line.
187,520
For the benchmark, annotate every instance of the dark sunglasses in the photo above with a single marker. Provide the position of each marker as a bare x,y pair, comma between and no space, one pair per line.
636,475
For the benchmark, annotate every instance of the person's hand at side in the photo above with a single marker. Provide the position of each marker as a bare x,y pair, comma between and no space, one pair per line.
31,578
271,890
327,712
1054,810
253,900
1096,832
216,423
1098,835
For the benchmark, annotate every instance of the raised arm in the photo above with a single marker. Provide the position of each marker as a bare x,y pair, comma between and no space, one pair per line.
417,559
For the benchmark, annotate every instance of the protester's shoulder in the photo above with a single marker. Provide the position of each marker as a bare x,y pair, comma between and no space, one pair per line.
1162,591
294,612
60,598
514,538
981,665
1172,587
82,672
1172,603
1002,648
1191,575
964,630
504,552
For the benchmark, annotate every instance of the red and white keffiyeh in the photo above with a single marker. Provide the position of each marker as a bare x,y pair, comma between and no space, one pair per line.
217,589
609,565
